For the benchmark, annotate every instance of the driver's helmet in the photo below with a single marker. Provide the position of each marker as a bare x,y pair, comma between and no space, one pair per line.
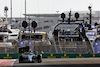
30,53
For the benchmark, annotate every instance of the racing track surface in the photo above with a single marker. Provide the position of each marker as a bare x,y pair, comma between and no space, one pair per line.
6,62
65,62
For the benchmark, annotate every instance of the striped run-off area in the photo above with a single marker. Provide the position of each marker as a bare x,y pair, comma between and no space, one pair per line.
6,62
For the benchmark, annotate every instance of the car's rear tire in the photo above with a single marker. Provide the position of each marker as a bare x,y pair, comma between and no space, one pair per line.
39,61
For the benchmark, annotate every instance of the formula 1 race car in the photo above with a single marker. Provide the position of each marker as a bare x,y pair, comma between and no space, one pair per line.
30,57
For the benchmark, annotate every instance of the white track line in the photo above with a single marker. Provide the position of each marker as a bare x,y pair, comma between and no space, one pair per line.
13,62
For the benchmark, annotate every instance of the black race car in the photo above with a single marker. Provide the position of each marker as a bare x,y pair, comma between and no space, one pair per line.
30,57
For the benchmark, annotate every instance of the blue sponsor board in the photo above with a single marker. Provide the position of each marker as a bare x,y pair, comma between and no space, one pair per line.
32,47
29,43
96,47
21,44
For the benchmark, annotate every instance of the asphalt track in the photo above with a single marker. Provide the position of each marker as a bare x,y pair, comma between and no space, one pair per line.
65,62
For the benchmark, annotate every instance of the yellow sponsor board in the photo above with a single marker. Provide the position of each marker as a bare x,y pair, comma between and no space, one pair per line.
51,57
7,57
65,57
64,54
93,55
51,54
79,57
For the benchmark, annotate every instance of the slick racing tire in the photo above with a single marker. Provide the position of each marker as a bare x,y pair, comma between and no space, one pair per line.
39,61
20,59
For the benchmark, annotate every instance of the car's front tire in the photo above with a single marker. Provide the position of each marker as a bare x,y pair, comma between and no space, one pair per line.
20,58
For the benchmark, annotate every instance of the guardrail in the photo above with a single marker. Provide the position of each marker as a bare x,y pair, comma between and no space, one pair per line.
52,55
